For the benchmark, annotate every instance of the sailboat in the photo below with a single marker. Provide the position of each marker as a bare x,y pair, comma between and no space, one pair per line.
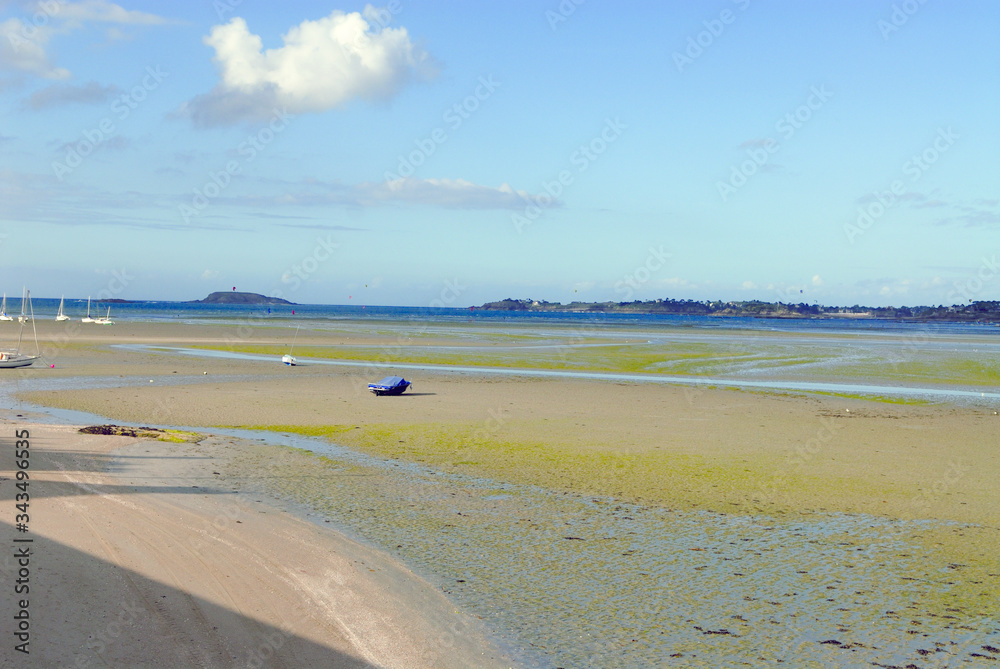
23,318
61,316
288,358
3,310
12,359
106,320
87,318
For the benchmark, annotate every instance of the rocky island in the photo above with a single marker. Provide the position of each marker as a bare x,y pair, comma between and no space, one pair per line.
233,297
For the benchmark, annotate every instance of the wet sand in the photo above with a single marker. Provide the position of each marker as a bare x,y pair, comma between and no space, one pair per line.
770,456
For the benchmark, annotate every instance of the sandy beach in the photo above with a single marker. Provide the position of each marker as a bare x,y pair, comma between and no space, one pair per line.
141,558
220,562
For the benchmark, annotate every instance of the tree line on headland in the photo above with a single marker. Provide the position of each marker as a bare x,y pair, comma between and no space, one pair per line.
975,312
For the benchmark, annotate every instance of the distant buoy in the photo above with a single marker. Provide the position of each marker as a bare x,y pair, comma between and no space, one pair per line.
151,380
52,366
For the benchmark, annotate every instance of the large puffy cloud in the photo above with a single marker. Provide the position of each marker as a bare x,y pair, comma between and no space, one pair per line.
322,65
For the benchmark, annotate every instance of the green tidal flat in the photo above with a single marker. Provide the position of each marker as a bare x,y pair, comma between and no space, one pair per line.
709,522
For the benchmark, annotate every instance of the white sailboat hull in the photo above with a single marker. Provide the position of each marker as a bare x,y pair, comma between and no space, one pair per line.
106,320
10,361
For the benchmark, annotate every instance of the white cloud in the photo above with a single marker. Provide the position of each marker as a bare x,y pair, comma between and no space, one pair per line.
323,64
817,280
446,193
451,193
209,274
749,285
23,44
22,49
100,11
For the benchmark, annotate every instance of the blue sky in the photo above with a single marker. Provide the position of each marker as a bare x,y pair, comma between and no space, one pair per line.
446,153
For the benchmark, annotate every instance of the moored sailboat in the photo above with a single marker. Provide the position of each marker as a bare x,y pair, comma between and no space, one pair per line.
106,320
87,318
23,318
288,358
3,310
61,316
14,358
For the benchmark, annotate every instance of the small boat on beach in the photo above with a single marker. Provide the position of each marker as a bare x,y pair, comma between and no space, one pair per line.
106,320
3,310
87,318
23,318
390,385
11,359
288,358
61,316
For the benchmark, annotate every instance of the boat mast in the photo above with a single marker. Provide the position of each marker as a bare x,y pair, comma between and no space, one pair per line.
38,351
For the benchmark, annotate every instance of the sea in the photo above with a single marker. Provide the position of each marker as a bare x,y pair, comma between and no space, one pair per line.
156,311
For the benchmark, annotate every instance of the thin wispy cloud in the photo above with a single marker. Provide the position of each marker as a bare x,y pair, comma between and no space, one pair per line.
451,193
974,219
114,143
100,11
42,198
979,213
758,142
323,64
319,226
442,193
58,95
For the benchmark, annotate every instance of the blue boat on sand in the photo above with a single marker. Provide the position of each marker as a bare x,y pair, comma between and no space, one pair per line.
390,385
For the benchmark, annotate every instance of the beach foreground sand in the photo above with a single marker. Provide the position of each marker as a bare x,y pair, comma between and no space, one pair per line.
140,558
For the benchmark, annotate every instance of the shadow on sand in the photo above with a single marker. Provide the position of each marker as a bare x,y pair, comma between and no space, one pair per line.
86,611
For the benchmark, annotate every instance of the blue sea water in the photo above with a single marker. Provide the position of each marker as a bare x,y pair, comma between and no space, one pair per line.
194,312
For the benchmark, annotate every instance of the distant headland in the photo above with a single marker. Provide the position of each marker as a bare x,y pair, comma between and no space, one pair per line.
225,297
975,312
